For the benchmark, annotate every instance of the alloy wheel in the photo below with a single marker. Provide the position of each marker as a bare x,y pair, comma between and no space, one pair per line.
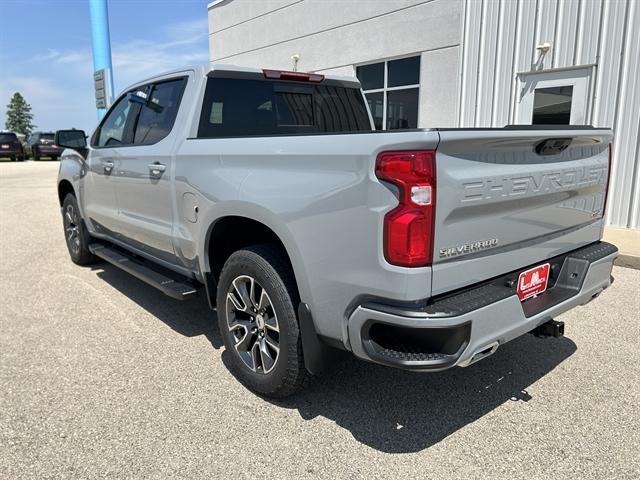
253,324
72,229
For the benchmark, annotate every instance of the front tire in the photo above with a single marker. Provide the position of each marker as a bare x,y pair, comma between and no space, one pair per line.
256,301
36,157
75,232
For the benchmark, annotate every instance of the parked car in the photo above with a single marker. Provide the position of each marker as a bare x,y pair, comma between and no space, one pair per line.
41,144
308,231
10,146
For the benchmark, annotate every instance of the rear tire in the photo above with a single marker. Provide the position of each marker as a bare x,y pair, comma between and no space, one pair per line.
75,232
256,301
36,157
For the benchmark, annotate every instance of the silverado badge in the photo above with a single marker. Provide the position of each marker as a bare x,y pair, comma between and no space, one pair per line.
468,248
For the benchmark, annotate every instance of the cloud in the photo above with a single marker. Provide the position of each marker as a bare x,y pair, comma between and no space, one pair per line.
191,29
63,97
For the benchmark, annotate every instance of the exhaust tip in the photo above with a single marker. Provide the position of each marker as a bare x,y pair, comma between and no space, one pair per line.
482,352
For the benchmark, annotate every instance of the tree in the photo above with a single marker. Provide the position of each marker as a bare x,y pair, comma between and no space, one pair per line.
19,115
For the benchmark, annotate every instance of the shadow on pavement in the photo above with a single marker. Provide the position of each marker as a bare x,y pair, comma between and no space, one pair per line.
399,412
190,318
387,409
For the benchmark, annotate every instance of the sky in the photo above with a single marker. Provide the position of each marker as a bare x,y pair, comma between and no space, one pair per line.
45,54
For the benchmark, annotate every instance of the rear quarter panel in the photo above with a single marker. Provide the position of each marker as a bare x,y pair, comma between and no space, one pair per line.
319,194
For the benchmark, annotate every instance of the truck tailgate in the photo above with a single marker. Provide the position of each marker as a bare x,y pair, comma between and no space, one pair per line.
507,198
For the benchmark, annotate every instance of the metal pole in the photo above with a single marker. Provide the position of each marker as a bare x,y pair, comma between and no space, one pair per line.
101,44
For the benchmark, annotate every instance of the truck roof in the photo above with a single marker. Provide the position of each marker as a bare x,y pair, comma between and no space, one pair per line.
205,69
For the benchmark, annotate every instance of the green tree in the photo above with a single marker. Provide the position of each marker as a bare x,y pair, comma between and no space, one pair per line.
19,115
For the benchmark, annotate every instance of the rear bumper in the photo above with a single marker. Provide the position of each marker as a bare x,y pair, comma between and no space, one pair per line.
464,327
47,150
11,152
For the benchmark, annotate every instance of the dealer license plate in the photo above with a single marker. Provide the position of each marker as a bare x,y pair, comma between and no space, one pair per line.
533,282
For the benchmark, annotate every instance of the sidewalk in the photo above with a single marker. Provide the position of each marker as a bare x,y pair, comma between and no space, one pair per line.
628,242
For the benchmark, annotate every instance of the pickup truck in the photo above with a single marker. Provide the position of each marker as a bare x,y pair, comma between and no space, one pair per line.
308,231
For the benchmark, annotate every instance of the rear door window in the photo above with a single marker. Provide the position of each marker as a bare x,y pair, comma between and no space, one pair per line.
158,114
248,107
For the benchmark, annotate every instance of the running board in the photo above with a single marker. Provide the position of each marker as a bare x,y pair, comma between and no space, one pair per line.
145,271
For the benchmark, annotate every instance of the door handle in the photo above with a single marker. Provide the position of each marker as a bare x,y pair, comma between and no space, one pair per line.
108,167
157,169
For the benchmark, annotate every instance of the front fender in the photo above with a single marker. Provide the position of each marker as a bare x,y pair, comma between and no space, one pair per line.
72,169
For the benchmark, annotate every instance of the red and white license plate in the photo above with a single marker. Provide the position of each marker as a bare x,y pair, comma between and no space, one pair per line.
5,145
533,282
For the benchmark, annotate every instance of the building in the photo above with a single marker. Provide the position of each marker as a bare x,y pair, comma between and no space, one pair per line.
462,63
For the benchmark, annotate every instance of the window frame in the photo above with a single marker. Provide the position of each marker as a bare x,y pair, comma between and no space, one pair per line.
385,88
150,89
132,121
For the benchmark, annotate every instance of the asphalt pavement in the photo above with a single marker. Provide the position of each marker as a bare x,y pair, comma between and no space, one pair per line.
101,376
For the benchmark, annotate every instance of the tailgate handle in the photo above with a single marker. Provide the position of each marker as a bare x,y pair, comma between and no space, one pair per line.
553,146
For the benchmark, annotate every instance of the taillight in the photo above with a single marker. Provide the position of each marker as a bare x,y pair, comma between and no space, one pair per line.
299,76
408,228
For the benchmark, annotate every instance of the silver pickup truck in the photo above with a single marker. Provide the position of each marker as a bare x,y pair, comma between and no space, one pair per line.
308,231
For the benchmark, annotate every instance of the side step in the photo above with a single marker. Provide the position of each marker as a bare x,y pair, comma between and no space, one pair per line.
148,272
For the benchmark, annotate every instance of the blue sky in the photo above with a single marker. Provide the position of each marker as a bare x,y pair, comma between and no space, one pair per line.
45,54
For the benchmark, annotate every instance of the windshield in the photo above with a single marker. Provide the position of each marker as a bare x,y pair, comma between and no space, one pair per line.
46,136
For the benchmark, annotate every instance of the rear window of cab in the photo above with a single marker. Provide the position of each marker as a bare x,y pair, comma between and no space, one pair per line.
251,107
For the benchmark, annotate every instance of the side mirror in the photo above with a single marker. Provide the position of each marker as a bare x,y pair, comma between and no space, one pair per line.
75,139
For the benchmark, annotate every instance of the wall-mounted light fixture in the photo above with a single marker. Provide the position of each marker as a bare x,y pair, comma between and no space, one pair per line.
543,48
295,58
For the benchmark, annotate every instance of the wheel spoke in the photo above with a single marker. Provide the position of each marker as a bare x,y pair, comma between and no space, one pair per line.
272,343
248,360
237,305
265,301
240,324
246,295
71,212
267,360
271,323
255,355
245,344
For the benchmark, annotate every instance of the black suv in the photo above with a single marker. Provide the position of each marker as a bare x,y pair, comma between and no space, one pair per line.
10,146
40,144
